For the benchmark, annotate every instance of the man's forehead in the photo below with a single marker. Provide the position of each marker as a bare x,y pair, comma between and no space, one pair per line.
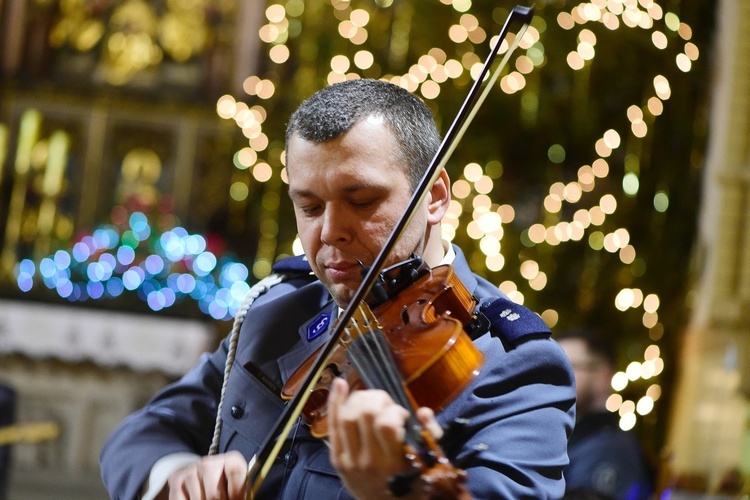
372,119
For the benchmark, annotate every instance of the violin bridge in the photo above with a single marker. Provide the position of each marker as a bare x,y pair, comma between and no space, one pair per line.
362,321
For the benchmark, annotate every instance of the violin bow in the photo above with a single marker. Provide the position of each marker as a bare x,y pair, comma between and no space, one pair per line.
261,463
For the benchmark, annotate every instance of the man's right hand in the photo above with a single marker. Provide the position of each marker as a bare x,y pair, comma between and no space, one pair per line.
221,477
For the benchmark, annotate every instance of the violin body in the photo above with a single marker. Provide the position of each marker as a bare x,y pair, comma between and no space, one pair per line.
424,327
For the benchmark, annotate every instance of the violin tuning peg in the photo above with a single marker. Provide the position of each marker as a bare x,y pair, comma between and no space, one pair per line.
400,484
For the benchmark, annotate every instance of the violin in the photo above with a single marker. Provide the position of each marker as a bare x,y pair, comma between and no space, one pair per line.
416,328
414,345
416,337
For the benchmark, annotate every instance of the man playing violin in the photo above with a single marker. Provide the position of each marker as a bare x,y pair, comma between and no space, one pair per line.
355,152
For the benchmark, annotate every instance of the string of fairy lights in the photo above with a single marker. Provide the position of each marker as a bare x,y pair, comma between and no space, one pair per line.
162,269
180,266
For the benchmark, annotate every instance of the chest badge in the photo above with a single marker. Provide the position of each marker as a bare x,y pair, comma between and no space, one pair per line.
319,325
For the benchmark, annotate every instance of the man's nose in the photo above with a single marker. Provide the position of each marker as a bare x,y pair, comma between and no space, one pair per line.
336,226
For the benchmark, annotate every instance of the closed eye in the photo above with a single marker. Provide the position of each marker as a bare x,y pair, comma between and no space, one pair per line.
366,202
363,204
309,209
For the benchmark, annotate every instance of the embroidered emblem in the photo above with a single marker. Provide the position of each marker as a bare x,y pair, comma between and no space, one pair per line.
509,315
318,326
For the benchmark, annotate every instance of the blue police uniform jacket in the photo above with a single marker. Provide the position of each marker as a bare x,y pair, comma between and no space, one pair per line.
519,410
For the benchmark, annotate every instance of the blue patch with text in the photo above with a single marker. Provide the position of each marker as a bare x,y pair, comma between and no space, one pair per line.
318,326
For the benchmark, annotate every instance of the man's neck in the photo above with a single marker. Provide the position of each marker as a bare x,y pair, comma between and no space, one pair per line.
435,248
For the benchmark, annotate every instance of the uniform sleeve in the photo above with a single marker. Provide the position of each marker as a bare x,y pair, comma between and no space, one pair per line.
179,419
520,411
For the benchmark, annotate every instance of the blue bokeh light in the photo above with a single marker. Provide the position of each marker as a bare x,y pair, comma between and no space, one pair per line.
64,287
25,282
217,311
131,279
108,261
156,300
115,287
81,252
204,263
139,225
162,270
186,283
47,267
195,244
154,264
95,271
78,293
95,289
125,255
62,259
27,266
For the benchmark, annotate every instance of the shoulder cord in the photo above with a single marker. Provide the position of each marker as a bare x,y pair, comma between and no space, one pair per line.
256,291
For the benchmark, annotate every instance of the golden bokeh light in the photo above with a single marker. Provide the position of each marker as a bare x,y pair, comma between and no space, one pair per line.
225,106
551,317
247,157
685,31
683,62
614,401
691,50
661,86
650,319
565,21
619,381
461,189
575,60
495,263
279,54
360,18
507,213
659,40
238,191
652,352
651,303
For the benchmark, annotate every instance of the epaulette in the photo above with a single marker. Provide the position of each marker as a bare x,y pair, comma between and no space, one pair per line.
292,265
512,322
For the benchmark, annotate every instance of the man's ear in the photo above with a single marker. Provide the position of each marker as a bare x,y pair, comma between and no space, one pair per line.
440,198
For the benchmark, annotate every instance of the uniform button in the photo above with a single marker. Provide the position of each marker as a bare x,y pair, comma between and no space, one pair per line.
237,411
290,458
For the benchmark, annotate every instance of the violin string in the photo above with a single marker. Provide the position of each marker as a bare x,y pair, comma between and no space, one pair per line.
364,359
378,349
376,378
371,357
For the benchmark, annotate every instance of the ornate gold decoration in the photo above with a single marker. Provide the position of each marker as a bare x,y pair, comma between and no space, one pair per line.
141,170
134,36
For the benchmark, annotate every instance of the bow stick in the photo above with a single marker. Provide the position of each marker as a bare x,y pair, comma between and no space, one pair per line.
261,463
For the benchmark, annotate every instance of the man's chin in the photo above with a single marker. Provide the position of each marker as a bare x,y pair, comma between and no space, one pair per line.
342,294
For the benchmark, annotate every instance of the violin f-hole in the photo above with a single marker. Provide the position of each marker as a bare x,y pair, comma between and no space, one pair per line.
405,314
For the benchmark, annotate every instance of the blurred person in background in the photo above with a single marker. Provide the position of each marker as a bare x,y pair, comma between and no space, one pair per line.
605,461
